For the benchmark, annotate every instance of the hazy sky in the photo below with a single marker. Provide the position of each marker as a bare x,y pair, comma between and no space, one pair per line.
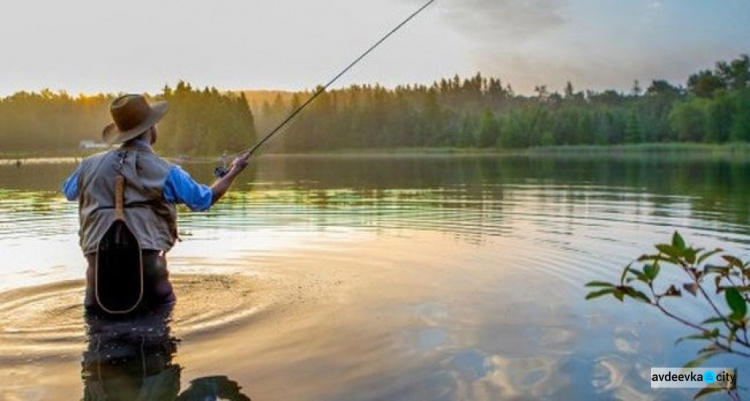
138,45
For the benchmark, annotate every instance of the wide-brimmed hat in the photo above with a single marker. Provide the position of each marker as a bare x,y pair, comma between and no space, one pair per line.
132,115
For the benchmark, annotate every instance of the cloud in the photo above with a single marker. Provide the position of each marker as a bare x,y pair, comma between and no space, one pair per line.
514,39
596,44
505,20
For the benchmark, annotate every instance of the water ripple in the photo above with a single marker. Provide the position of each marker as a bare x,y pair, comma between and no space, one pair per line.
48,320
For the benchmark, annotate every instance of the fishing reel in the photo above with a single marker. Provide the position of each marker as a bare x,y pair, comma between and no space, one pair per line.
223,170
220,171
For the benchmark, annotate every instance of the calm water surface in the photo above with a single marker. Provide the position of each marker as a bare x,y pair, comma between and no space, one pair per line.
433,278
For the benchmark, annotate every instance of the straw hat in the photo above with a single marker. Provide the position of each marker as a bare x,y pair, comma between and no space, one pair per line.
132,115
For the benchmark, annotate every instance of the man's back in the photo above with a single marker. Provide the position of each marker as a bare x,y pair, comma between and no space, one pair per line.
151,218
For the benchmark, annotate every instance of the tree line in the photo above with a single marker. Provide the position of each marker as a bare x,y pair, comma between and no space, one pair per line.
199,121
482,112
475,112
205,122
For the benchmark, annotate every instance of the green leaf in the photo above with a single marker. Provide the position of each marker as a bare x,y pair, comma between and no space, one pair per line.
703,357
619,294
710,348
644,258
651,271
702,258
707,335
677,241
598,284
713,320
639,275
597,294
690,337
716,269
733,261
736,303
625,272
638,295
643,297
669,250
690,254
670,259
707,390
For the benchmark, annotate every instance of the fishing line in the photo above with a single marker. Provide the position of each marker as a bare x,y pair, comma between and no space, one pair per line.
222,170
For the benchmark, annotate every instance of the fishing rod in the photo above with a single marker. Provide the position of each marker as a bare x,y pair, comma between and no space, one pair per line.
221,171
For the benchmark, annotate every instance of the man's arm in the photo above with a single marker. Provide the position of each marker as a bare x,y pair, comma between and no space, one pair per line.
70,186
221,186
181,188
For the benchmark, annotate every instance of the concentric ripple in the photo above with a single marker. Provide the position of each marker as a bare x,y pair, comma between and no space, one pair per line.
48,319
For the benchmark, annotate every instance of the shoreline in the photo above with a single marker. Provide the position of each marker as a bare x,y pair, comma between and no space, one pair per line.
692,150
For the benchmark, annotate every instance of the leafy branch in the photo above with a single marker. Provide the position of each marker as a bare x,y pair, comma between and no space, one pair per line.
726,331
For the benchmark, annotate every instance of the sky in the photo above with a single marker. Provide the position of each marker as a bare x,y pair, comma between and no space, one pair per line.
93,46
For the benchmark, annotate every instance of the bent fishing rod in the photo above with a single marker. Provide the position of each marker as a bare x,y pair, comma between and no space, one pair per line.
222,170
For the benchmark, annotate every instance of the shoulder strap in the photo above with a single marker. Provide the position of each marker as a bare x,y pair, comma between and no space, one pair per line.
120,186
119,195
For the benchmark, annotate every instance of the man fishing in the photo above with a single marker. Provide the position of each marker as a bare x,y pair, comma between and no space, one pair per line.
127,202
133,186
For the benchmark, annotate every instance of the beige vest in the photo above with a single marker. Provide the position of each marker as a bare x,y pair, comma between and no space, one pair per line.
152,220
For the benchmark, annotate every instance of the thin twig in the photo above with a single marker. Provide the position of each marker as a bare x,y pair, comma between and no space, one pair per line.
703,330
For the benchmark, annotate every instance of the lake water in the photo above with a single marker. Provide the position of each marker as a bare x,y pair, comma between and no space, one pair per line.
367,278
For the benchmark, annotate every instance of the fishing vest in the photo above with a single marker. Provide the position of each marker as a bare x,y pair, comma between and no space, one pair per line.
152,220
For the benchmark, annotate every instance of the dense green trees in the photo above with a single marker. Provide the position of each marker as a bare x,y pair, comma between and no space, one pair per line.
200,122
481,112
718,106
205,122
47,121
474,112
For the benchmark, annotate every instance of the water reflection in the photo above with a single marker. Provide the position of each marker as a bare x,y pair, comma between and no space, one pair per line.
704,188
131,358
385,278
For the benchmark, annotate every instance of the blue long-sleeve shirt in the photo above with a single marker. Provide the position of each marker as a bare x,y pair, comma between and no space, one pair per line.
179,187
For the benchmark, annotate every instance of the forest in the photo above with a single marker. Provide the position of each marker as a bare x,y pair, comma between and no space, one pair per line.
478,112
199,121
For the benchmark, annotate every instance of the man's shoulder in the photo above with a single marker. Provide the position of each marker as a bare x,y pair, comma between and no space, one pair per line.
97,155
158,160
95,158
